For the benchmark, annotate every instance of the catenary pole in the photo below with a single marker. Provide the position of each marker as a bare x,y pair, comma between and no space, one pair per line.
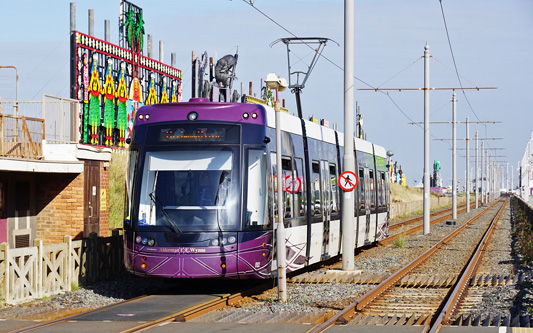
454,159
280,228
347,217
426,140
477,172
467,166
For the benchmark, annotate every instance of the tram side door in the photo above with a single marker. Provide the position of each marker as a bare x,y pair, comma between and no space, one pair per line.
326,207
368,201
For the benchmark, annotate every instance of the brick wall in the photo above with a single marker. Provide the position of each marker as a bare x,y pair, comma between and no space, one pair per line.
59,206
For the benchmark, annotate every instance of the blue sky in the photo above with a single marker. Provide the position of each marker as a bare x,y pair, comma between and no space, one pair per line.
492,42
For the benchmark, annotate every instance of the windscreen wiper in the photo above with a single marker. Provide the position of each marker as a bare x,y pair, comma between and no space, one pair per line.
155,200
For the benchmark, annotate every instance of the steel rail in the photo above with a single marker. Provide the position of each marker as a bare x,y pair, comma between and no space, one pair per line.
59,320
201,309
363,301
391,239
420,217
462,285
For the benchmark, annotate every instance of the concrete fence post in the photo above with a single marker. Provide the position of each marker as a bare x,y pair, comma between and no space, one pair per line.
38,277
68,261
4,247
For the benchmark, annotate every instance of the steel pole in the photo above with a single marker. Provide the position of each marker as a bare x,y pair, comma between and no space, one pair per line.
427,201
280,227
483,201
348,205
467,166
454,159
477,172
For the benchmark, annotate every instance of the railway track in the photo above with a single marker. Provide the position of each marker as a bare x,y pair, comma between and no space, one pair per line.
400,229
429,287
390,302
149,311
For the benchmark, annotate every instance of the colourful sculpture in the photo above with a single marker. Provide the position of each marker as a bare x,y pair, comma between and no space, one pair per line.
152,93
109,104
94,100
164,95
122,114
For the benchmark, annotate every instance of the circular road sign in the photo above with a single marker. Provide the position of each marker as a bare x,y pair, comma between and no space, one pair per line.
348,180
293,185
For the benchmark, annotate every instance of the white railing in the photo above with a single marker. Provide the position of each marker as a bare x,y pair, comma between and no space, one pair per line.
60,115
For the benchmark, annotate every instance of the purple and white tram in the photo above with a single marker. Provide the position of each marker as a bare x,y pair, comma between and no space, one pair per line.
201,197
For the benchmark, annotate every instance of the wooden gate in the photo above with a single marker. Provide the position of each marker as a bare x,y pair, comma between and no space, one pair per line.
91,219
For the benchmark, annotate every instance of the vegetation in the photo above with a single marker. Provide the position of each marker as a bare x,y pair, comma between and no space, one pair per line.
523,229
117,183
399,243
400,193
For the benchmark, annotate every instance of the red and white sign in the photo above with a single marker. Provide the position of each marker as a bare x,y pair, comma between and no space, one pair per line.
292,184
348,181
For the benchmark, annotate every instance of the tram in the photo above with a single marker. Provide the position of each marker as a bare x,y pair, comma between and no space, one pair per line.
201,192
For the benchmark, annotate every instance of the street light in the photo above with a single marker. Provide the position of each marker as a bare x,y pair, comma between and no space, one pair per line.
390,153
278,83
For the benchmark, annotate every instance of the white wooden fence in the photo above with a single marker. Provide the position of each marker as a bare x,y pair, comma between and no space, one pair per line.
46,270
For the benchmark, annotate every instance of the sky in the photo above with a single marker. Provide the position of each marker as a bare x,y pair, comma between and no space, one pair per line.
490,43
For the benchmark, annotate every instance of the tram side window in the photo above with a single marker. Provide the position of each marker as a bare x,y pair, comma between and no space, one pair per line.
315,189
382,194
288,200
372,192
134,154
361,186
274,184
334,192
298,188
256,198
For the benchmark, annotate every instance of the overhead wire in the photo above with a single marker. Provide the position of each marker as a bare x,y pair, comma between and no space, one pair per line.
250,2
454,62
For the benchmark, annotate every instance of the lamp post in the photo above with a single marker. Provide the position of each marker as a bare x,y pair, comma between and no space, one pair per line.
279,84
390,153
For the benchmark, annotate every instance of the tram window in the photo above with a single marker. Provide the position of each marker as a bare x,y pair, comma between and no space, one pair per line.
382,187
134,154
286,169
299,188
361,186
372,196
274,183
256,197
315,189
334,192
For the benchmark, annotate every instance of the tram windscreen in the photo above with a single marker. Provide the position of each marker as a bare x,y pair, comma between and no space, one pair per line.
189,190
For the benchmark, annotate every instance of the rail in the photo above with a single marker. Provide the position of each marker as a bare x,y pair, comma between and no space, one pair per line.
21,137
363,301
25,124
460,288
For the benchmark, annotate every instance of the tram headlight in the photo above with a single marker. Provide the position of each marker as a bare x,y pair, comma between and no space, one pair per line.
138,239
232,239
192,116
151,242
246,115
145,241
215,242
254,115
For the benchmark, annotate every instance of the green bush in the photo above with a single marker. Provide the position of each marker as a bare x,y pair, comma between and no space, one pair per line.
117,184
